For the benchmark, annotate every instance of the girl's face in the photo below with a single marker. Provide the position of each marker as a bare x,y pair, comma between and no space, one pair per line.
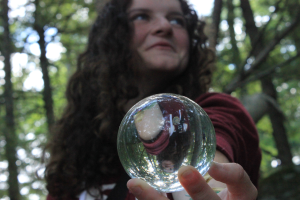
160,37
168,166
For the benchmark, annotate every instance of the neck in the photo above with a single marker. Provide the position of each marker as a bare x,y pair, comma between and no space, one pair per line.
148,86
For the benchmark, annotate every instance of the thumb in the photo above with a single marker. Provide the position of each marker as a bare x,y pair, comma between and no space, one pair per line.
237,180
195,184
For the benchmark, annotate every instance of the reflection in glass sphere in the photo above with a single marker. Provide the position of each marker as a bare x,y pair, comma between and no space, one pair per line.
161,133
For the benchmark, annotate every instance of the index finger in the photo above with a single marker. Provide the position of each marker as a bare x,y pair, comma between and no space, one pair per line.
195,184
237,180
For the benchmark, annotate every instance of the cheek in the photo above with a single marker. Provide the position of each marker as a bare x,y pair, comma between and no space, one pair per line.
183,41
139,36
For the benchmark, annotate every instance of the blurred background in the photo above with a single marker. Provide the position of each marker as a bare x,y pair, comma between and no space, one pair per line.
257,44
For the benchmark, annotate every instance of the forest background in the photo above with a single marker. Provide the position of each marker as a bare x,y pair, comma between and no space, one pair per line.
257,44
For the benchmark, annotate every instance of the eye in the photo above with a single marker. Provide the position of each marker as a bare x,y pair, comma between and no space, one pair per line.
140,16
178,21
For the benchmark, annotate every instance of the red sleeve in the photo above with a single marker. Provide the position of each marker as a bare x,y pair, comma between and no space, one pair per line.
236,134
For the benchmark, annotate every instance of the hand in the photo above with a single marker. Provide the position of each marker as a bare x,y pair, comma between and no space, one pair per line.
233,175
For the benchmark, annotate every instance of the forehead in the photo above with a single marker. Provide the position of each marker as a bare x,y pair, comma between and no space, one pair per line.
156,5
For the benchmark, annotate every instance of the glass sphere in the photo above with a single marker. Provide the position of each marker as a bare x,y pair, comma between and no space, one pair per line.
161,133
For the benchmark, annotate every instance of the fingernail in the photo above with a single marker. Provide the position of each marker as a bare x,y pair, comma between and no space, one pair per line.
215,164
135,190
187,174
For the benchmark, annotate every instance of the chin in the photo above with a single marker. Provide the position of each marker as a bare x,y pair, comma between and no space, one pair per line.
165,66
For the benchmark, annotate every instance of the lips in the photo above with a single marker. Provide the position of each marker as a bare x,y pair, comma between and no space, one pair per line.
162,46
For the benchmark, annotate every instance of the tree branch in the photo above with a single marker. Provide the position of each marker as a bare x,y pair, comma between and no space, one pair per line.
261,33
266,51
262,74
262,55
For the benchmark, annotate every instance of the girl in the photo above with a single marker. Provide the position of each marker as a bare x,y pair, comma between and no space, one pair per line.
137,48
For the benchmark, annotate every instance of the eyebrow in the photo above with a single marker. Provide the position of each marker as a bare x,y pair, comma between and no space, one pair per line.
149,11
138,10
176,13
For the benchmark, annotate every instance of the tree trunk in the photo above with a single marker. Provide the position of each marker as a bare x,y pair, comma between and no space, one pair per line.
214,27
236,59
277,119
47,92
235,55
251,28
9,132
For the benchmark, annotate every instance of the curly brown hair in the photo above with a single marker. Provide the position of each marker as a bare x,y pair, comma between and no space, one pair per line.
83,145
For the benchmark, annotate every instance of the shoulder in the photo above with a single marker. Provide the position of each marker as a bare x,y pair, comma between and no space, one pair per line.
225,108
217,99
222,103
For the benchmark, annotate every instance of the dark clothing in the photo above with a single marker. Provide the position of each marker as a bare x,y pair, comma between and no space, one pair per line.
236,134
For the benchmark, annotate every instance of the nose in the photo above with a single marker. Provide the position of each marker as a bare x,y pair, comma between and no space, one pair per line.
162,27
